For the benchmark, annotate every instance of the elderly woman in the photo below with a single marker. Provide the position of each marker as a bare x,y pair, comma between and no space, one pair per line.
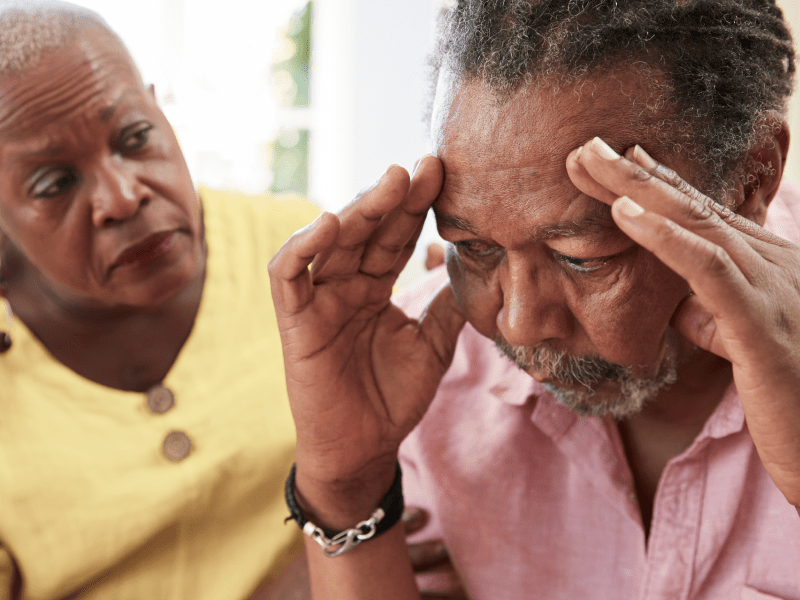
144,429
648,445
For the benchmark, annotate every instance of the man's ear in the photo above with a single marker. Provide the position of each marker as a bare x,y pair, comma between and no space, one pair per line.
765,167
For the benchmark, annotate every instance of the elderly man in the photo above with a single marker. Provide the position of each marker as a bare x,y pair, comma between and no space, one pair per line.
144,427
648,446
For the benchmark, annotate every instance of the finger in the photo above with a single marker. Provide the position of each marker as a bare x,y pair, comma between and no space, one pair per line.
407,252
638,155
721,288
425,555
441,582
441,323
414,519
359,219
654,186
392,235
582,180
288,270
674,199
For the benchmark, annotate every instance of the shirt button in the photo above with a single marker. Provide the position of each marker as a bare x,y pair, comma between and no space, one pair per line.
160,399
177,446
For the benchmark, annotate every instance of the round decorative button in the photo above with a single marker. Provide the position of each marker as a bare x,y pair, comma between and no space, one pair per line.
160,399
177,446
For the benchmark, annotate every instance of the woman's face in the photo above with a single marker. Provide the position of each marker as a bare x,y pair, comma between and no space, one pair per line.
96,201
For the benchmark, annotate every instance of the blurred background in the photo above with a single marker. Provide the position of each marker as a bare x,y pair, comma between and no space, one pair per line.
289,95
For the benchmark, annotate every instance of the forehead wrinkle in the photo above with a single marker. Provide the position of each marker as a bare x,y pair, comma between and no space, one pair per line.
45,101
597,220
79,81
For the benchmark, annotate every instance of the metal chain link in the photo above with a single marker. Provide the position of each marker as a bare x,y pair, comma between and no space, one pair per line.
347,539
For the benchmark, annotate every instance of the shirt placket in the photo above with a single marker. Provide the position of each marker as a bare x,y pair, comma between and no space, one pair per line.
674,531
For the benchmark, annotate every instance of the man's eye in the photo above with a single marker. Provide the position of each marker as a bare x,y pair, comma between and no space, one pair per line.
582,265
53,183
136,137
476,249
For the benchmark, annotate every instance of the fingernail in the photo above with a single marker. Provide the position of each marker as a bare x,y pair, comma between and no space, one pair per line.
578,152
419,163
643,159
315,223
604,149
628,207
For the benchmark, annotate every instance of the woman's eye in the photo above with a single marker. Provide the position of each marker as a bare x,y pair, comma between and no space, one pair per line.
52,183
136,137
582,265
476,249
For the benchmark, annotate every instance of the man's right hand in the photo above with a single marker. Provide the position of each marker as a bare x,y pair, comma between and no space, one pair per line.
360,374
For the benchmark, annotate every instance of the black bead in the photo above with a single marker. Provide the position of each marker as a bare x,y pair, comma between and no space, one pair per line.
5,342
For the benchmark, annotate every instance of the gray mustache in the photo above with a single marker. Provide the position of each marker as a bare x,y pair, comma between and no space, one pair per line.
564,367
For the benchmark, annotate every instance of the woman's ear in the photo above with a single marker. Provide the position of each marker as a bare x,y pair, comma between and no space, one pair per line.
765,165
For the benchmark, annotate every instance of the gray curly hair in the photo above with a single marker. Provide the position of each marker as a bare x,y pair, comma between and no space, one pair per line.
723,69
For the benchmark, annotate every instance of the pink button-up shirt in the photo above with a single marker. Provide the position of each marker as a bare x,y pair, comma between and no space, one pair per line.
535,502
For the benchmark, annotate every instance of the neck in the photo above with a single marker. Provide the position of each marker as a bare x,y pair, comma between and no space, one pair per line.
668,425
125,349
687,404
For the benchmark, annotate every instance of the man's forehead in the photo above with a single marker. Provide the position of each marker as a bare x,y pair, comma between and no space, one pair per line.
612,100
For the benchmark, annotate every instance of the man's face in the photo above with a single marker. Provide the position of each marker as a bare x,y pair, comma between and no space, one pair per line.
95,197
540,267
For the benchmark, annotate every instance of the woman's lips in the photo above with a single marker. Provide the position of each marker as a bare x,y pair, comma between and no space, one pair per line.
147,251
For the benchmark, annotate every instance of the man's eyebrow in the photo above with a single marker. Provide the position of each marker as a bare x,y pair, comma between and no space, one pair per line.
453,222
593,222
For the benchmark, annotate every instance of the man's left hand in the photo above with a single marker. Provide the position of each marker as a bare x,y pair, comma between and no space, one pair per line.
746,283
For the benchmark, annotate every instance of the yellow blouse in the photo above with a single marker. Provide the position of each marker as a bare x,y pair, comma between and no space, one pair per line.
91,496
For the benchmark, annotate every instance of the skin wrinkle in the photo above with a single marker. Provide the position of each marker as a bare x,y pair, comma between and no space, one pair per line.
29,105
733,80
520,286
106,174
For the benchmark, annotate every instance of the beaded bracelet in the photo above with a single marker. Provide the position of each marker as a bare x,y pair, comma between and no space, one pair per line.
381,520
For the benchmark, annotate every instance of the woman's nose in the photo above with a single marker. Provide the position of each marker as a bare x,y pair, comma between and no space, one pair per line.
118,194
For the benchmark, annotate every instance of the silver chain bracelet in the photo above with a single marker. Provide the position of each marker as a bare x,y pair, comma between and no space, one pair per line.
347,539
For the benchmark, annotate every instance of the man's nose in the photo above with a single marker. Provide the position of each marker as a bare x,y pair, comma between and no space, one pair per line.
118,194
534,305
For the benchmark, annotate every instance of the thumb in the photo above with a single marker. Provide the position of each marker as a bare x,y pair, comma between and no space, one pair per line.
441,323
696,323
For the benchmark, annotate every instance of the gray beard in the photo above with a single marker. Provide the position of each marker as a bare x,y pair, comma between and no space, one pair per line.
589,373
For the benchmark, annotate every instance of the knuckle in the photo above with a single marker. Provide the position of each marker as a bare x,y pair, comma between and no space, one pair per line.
714,260
700,208
391,247
641,174
668,175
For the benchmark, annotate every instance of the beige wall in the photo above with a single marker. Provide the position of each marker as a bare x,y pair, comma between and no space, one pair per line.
791,9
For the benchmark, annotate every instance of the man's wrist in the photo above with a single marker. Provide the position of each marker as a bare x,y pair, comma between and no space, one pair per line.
335,542
336,504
